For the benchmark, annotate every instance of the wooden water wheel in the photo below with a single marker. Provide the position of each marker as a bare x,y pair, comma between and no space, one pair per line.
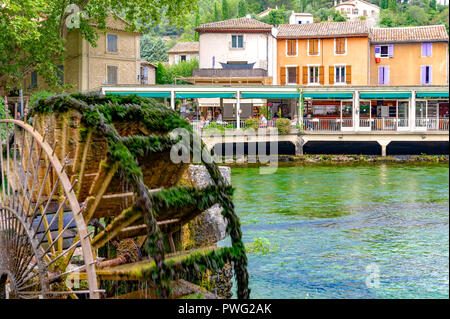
87,174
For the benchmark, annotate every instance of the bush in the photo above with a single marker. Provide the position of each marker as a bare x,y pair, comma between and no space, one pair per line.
284,126
40,95
252,123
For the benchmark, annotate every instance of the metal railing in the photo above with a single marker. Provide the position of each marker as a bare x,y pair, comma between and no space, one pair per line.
336,125
433,124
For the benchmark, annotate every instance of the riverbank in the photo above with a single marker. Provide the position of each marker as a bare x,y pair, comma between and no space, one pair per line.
310,159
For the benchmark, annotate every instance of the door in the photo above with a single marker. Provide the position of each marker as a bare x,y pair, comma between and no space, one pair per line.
346,115
402,115
421,115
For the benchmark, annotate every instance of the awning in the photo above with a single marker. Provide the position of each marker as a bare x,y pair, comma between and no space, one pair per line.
328,95
141,94
270,95
432,94
384,95
193,95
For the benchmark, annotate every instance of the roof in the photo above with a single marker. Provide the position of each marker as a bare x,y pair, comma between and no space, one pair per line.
265,12
185,47
324,30
237,25
365,2
430,33
144,62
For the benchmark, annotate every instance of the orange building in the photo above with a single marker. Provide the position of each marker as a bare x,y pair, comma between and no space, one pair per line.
409,56
327,53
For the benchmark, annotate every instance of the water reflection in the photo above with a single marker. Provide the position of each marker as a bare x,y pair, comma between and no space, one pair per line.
331,222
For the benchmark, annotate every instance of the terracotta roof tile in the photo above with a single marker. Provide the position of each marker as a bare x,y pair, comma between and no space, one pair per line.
323,29
239,24
409,34
185,47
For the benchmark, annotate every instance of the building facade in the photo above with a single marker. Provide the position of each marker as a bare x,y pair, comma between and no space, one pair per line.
409,56
329,53
239,50
183,51
355,9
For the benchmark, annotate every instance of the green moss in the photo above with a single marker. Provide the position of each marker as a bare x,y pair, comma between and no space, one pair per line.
99,113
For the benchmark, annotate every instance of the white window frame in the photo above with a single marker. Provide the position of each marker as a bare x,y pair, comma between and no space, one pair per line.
296,48
318,73
287,74
237,42
345,53
340,65
307,52
106,42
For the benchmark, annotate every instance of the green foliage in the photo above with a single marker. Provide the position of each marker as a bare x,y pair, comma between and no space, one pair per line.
170,73
4,114
29,42
216,12
276,17
225,10
242,8
40,95
261,245
153,49
252,123
283,126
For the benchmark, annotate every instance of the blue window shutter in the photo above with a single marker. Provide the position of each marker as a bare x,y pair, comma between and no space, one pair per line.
380,75
240,41
233,41
429,49
391,50
378,49
422,75
386,75
430,76
424,49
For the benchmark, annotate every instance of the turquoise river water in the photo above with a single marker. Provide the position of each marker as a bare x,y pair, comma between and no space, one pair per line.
378,231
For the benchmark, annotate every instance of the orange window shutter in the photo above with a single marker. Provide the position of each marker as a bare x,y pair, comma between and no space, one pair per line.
321,75
331,72
297,71
316,46
305,75
311,46
283,75
348,74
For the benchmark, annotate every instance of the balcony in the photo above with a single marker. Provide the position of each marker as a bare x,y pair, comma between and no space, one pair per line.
229,73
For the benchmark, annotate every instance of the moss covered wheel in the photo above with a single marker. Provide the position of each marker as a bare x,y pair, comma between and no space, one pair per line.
133,198
42,229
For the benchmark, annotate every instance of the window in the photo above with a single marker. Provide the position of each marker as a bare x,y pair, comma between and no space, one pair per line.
144,75
340,45
34,80
355,11
387,51
291,47
111,74
313,47
182,58
61,74
426,49
111,45
383,75
292,75
339,74
425,74
313,75
237,41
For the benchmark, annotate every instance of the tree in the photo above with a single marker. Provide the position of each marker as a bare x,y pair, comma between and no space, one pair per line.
433,5
275,18
242,8
216,12
33,33
160,74
153,49
197,23
225,10
393,5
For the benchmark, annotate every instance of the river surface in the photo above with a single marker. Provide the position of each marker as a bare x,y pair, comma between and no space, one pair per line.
378,231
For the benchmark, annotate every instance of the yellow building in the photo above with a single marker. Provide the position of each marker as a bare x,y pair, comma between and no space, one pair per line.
115,60
409,56
327,53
